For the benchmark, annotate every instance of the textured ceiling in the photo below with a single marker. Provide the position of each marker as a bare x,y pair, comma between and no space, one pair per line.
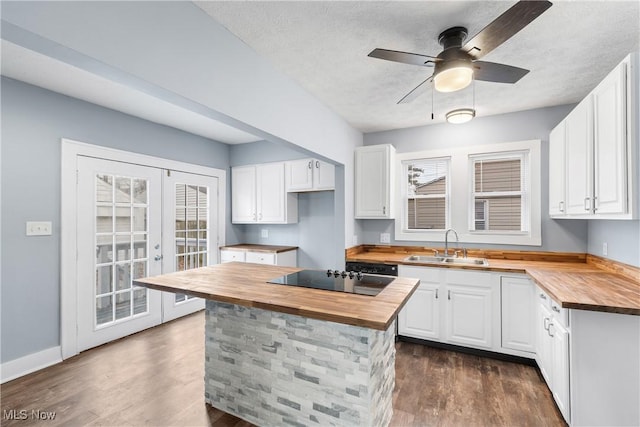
324,46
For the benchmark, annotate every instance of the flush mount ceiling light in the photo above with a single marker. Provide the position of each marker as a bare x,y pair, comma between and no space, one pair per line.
452,76
461,115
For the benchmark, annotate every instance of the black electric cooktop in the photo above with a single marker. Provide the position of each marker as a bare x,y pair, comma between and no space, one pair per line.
363,284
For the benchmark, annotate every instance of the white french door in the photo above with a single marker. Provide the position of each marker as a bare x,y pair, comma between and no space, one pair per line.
135,221
190,234
119,235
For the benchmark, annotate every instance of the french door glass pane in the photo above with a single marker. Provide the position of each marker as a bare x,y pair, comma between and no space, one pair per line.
121,237
192,204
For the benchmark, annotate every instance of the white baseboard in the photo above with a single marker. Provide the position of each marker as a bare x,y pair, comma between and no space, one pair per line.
30,363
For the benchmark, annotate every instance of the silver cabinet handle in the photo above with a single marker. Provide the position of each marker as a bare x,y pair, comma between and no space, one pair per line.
587,203
384,210
561,206
545,324
549,330
449,295
543,296
436,294
310,162
556,309
595,203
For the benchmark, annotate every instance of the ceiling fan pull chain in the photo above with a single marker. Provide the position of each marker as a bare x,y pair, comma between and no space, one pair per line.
432,117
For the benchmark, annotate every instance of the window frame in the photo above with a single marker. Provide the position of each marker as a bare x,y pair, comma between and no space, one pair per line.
460,201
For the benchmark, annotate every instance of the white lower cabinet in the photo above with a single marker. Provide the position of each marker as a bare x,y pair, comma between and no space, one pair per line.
518,313
469,309
420,318
553,350
285,259
452,306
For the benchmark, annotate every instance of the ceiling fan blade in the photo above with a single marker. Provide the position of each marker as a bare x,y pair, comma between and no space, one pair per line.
505,26
404,57
499,73
415,92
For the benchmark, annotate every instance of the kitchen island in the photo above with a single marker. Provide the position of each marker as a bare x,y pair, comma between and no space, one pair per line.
279,354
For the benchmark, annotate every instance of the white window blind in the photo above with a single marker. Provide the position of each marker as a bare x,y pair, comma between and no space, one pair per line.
426,192
499,199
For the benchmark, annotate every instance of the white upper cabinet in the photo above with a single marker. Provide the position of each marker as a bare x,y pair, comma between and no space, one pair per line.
579,159
258,195
598,163
309,175
374,181
243,194
610,143
557,156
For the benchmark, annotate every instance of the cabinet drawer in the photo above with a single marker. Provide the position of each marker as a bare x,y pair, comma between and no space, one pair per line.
261,258
229,256
560,314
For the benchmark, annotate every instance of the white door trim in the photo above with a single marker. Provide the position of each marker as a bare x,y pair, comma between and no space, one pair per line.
70,150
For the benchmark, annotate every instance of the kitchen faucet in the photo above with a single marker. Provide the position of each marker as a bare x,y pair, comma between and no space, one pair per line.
446,241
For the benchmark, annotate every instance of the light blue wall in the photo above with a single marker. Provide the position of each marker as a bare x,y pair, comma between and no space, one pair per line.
33,122
622,239
316,232
557,235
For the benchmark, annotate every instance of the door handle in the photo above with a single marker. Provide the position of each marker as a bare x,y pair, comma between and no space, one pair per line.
157,257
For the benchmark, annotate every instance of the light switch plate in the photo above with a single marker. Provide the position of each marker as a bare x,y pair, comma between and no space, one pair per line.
38,228
385,238
264,233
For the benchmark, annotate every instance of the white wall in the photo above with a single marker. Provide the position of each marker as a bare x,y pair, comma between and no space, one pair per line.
557,235
174,51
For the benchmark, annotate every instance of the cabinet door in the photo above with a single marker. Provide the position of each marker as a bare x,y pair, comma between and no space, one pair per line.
609,109
560,359
324,176
579,163
518,314
372,182
243,194
271,196
420,317
557,171
543,344
299,175
469,315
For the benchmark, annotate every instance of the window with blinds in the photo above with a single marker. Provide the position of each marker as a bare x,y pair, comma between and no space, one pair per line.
427,192
498,195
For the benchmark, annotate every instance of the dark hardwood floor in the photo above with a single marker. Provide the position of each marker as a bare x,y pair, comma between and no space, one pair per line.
156,378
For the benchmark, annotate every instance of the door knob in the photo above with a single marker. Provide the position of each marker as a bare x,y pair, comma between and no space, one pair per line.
158,257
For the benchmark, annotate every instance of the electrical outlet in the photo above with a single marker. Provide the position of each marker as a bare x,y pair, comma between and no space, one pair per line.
264,233
605,249
385,238
38,228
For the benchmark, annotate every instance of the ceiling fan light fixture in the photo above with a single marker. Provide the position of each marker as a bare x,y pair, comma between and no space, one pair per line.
461,115
451,79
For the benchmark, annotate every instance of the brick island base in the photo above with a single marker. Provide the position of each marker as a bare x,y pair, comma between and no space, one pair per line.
274,368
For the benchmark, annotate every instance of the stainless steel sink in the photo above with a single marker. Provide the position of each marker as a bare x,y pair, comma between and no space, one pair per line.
427,259
467,261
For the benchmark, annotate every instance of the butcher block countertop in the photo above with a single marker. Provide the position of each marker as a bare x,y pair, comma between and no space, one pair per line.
258,248
246,284
576,281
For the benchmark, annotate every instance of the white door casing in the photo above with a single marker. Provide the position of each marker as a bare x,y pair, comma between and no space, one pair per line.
71,152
